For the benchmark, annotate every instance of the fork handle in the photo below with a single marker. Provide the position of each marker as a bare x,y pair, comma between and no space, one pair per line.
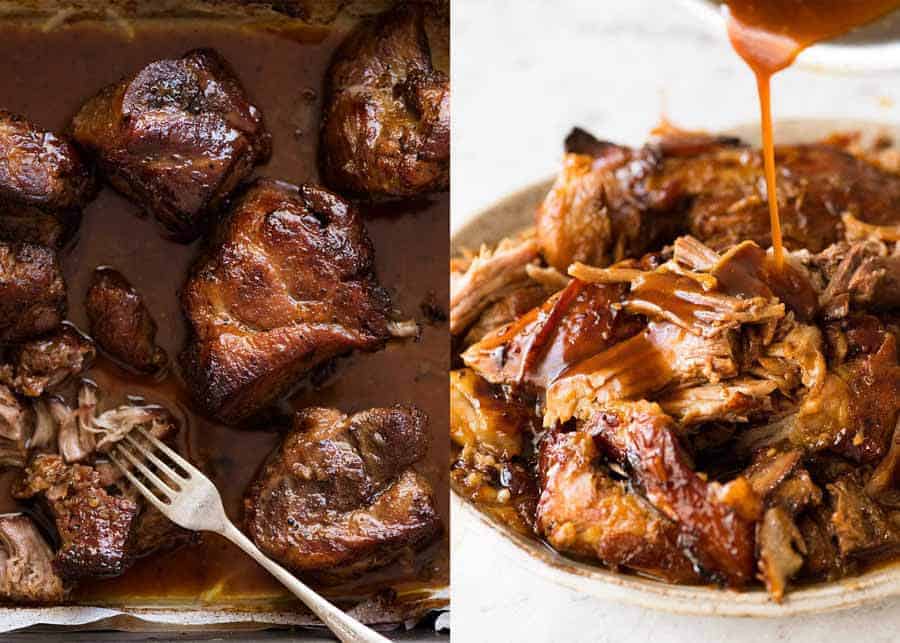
345,627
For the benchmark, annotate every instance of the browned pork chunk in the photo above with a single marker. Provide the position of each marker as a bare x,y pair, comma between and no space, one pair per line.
120,322
386,128
718,522
32,291
177,137
26,563
612,202
39,365
340,495
43,183
584,511
94,526
287,285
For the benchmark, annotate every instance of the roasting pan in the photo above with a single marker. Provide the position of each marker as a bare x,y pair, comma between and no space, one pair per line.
516,212
406,607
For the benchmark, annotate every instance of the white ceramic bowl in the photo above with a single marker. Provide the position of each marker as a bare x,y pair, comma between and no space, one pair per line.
873,47
515,212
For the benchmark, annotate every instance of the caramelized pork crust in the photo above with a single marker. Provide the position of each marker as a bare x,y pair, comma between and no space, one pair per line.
720,535
612,202
26,563
177,138
44,183
660,378
94,526
32,291
340,496
386,127
120,322
584,511
41,364
287,284
537,348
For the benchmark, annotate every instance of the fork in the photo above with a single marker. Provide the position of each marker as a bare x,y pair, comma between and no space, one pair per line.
193,502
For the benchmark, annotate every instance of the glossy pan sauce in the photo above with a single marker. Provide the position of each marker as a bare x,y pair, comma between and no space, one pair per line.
46,76
769,35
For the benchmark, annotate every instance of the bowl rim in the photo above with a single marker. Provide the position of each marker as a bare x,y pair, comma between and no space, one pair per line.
835,56
508,214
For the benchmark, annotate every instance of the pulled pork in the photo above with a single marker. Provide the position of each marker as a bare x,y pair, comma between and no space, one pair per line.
699,414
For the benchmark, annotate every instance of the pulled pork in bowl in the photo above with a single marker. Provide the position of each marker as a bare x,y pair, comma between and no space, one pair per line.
638,384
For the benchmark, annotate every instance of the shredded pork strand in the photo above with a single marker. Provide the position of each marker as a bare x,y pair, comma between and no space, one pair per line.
489,276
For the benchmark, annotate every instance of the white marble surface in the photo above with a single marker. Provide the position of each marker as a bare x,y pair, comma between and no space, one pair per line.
524,72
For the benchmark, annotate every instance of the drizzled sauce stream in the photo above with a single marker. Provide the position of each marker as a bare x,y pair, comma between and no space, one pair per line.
769,35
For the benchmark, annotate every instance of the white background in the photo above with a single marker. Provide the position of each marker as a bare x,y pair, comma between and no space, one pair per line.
525,72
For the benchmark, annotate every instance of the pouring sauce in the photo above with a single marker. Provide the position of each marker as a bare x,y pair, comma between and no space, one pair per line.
769,35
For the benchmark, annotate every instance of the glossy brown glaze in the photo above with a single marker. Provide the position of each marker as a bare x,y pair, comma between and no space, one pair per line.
286,284
387,107
44,182
177,138
644,439
768,35
607,211
282,71
574,324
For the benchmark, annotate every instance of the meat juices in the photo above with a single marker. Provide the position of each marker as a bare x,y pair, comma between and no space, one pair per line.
340,495
384,81
287,284
43,184
177,138
32,291
121,324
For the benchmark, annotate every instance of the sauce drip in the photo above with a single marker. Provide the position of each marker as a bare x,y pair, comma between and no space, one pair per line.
768,35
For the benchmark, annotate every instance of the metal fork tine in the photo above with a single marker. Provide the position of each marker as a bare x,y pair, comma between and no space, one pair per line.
162,487
133,479
148,453
177,459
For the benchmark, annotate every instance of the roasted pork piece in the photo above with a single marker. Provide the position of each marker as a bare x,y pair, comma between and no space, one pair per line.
120,322
287,284
700,415
386,124
26,563
32,291
584,510
717,522
611,202
492,430
103,525
40,365
340,495
44,184
177,138
93,525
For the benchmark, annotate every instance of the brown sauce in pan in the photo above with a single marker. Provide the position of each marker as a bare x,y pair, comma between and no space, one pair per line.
46,76
769,35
